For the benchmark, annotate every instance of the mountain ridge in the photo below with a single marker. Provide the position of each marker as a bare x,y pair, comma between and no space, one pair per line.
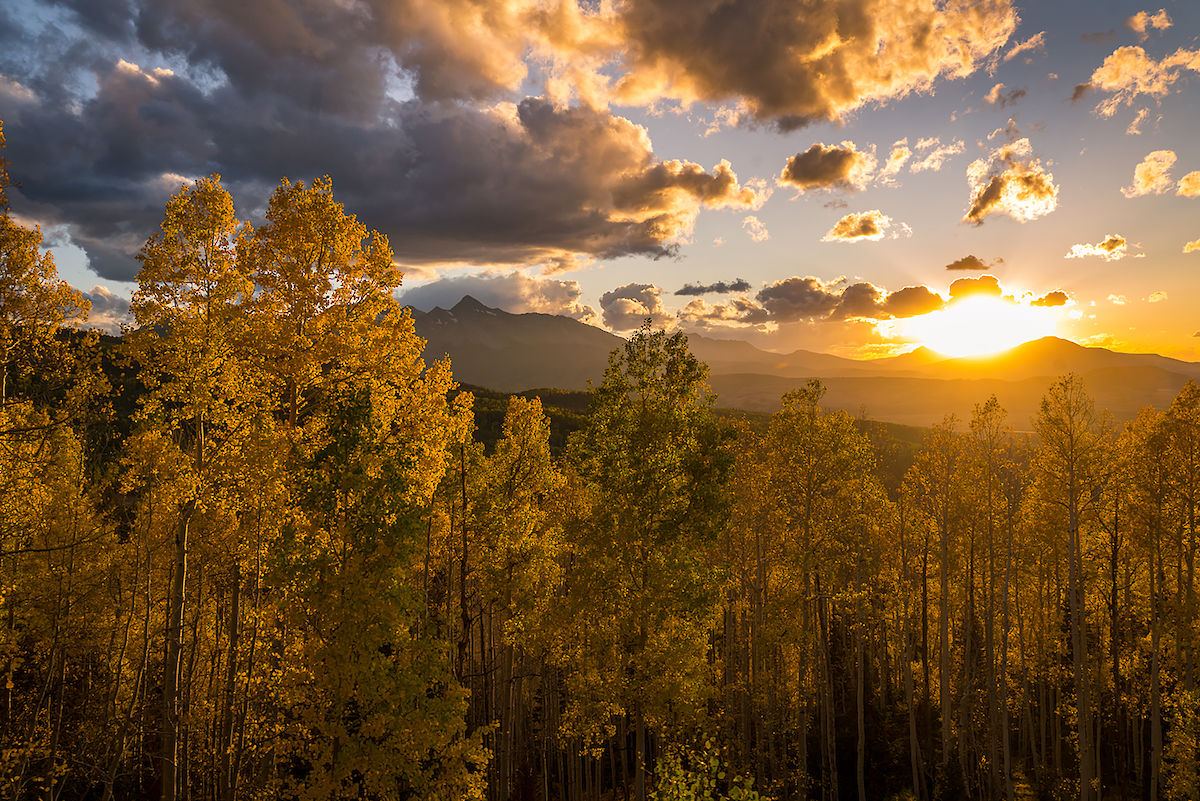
516,352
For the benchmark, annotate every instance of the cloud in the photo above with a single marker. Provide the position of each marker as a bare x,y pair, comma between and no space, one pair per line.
1112,248
1141,21
736,312
1099,37
799,298
797,63
1129,73
937,156
897,157
13,92
1135,127
718,288
523,183
1152,176
828,167
1050,299
510,290
999,98
1035,42
1117,300
405,103
1192,247
972,262
870,225
809,298
791,63
755,228
627,307
1189,185
1010,181
912,301
1157,297
1081,91
984,285
109,311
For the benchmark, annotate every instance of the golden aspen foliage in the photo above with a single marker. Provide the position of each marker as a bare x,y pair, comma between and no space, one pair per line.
327,315
653,462
34,304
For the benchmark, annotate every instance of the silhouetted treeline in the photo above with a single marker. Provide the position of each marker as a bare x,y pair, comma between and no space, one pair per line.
256,548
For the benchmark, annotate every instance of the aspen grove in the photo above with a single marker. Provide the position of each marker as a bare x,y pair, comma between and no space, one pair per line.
256,548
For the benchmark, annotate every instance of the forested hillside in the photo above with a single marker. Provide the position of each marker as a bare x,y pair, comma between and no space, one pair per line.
257,548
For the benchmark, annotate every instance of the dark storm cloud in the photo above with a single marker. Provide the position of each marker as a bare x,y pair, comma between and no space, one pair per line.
447,182
108,312
301,90
403,103
337,57
718,288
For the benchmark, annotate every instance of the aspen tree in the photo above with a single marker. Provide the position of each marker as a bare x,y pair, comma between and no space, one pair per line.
200,395
655,460
1074,465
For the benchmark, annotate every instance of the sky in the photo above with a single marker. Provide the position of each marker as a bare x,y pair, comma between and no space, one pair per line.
858,177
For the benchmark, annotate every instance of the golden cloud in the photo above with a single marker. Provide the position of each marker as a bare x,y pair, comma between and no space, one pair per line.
755,228
1152,176
810,298
739,311
1055,298
1192,247
1141,21
1010,181
828,167
1129,72
985,285
972,262
1112,248
627,307
1135,127
998,97
937,154
870,225
800,62
897,157
1035,42
1189,185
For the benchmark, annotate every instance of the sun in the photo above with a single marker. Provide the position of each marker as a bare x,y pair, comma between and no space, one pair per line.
978,325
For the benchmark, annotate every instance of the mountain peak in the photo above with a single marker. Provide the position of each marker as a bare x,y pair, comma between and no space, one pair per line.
469,304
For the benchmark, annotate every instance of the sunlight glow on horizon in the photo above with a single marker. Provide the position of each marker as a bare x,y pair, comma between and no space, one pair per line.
976,326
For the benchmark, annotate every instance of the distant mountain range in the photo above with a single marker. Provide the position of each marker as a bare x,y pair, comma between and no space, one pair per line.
516,352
